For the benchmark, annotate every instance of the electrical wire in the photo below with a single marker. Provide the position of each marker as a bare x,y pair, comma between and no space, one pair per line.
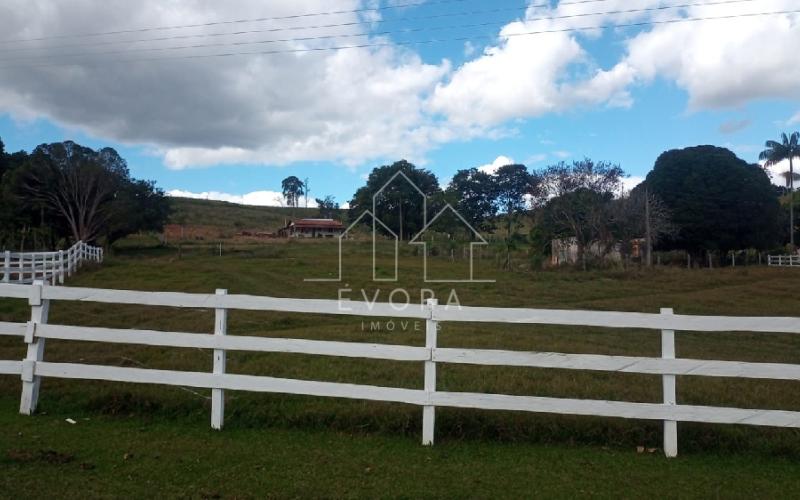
380,33
415,42
263,19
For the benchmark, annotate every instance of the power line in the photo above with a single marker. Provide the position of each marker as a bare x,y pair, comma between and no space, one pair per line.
293,28
262,19
417,42
381,33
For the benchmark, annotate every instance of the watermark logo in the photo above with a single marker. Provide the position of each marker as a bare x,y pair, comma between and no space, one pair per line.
418,239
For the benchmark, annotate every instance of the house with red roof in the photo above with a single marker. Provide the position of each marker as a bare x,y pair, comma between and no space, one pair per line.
312,228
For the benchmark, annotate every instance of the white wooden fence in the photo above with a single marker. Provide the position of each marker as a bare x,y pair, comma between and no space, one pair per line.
784,260
37,330
27,267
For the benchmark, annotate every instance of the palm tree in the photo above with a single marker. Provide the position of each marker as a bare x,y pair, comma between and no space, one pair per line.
777,152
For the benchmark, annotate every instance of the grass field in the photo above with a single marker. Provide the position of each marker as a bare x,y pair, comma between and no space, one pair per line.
288,446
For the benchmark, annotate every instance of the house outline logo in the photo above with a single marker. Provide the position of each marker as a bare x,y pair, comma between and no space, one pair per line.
415,240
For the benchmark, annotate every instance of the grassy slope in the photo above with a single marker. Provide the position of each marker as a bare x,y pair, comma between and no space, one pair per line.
276,441
223,214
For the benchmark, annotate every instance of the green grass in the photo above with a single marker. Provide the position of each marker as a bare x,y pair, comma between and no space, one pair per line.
478,453
140,457
232,215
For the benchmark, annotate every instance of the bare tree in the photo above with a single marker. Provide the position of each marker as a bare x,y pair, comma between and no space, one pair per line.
579,205
641,215
77,183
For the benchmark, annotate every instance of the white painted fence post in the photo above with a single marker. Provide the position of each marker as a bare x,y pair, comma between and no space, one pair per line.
429,411
668,384
218,395
7,267
30,381
61,267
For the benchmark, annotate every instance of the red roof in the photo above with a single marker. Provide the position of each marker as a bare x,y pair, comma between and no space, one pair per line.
325,223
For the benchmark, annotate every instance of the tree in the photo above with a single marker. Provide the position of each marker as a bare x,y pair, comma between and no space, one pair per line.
327,206
512,184
85,194
398,202
3,160
718,201
138,206
293,188
640,214
75,182
474,196
579,203
776,152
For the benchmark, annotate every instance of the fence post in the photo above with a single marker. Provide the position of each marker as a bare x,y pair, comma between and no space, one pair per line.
61,267
668,385
31,381
218,395
429,411
7,267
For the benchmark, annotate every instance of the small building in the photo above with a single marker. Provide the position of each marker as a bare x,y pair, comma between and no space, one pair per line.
312,228
565,251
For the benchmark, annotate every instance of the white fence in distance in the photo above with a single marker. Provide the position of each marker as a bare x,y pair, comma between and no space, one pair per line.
784,260
37,330
52,267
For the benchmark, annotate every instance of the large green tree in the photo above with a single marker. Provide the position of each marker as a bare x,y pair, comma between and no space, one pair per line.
776,152
67,191
474,194
293,188
717,200
399,200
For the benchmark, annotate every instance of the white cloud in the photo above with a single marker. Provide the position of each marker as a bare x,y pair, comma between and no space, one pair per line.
723,63
498,162
794,119
348,106
359,105
778,173
258,198
628,183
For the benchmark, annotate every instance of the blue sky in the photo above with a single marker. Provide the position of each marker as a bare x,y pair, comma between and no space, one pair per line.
616,96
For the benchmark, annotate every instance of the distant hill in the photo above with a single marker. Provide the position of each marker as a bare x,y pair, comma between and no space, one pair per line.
194,212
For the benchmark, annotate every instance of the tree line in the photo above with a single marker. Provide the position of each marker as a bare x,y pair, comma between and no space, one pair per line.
64,192
699,199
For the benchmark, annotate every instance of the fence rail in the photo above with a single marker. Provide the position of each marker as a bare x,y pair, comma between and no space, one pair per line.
784,260
36,331
53,267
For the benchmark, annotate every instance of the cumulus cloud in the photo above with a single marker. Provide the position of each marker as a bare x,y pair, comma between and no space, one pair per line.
364,104
348,106
723,63
258,198
500,161
779,173
630,182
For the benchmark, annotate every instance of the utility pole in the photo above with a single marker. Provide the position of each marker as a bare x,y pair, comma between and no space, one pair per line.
306,190
648,234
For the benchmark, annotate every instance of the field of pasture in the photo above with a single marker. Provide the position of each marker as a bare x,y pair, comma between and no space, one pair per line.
129,438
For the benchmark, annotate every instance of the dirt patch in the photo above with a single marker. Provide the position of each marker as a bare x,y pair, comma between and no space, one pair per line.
45,456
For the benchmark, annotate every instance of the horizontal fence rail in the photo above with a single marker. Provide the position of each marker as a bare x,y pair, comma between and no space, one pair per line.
52,267
784,260
37,331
